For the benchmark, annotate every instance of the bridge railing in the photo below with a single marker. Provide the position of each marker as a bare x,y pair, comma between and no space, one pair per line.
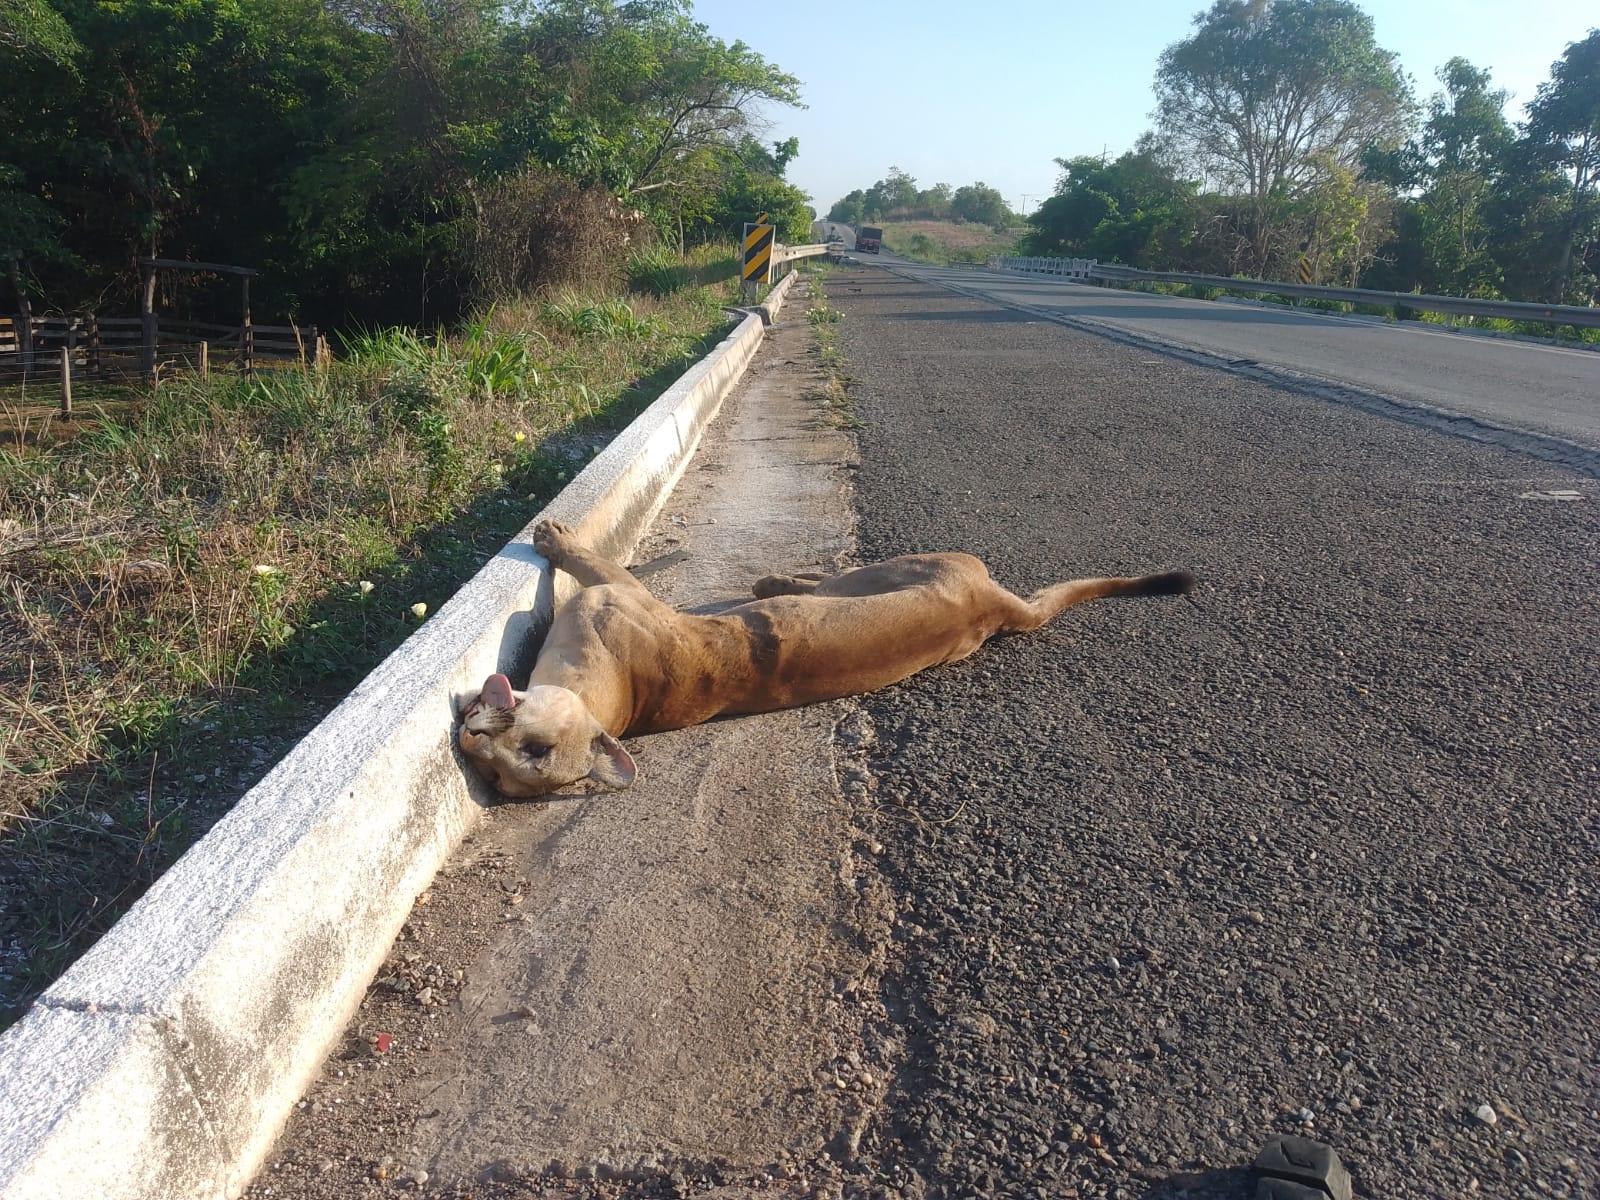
1464,306
1065,268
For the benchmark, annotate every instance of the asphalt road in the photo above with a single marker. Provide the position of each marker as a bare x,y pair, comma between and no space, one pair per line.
1317,856
1551,389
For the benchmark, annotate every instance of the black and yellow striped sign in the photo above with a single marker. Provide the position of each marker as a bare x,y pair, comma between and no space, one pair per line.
757,250
1305,269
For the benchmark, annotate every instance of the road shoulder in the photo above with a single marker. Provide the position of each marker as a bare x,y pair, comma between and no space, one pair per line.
663,980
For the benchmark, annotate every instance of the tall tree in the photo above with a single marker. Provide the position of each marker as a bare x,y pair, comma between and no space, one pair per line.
850,209
981,203
1564,126
1132,210
1463,147
895,191
348,146
1265,93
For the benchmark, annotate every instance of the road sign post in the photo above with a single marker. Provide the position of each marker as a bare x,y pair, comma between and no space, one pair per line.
757,263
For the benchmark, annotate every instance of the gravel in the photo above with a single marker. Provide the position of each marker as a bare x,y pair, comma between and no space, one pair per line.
1314,856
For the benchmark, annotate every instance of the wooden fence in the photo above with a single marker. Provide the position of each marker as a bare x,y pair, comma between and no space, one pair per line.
57,352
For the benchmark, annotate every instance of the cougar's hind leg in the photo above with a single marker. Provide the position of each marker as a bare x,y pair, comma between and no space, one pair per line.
801,583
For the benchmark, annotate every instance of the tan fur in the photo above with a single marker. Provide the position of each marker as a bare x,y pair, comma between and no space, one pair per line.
617,661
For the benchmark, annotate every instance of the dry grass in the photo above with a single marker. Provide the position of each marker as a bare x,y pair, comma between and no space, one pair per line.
824,321
185,587
946,241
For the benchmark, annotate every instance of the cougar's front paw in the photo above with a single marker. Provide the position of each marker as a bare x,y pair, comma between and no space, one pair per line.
554,540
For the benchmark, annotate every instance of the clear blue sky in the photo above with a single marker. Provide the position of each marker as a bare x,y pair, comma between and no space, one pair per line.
958,92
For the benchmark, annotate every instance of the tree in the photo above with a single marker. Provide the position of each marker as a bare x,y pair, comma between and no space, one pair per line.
1264,96
1342,221
980,203
32,27
895,191
1564,126
934,202
1461,151
849,209
1133,210
350,147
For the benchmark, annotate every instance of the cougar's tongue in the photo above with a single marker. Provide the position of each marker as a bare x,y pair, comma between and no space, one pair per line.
497,692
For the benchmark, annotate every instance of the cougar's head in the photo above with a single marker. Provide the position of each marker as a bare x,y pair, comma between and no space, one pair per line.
530,743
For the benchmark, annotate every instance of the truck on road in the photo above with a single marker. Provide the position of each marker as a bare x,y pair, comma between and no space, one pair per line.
869,239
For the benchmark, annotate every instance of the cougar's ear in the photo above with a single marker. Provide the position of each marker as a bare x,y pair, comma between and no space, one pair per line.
613,765
497,692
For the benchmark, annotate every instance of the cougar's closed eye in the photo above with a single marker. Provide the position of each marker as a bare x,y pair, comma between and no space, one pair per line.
534,750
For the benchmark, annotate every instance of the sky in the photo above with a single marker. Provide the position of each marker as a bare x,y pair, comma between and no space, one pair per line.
960,92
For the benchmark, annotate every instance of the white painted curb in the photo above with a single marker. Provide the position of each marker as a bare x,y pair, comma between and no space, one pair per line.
163,1064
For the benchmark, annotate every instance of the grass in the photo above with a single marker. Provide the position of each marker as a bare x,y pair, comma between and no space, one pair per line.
659,272
944,242
189,584
824,321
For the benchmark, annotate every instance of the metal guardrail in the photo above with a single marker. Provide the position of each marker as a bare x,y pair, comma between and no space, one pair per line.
763,257
1065,268
783,254
1515,310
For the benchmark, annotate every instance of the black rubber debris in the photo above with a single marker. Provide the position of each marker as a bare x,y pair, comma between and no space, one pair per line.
1297,1168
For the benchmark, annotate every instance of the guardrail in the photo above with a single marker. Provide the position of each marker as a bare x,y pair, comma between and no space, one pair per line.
1515,310
783,254
763,257
1065,268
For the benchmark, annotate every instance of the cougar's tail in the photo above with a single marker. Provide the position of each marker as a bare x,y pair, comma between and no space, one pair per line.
1047,602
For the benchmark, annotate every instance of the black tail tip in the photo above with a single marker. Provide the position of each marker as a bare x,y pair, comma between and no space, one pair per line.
1171,583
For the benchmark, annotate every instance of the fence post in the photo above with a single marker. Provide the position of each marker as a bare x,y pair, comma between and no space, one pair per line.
247,337
66,381
147,325
203,361
92,359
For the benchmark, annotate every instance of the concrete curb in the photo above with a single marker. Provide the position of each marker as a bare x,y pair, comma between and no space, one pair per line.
165,1061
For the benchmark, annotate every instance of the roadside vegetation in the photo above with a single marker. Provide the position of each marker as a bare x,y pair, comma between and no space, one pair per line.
824,321
379,161
1244,175
938,224
945,242
514,220
190,586
514,223
1288,140
1538,330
